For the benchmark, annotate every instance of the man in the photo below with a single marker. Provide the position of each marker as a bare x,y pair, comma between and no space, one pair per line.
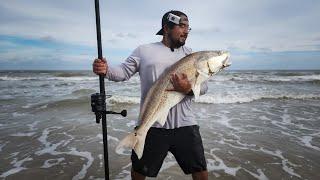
180,134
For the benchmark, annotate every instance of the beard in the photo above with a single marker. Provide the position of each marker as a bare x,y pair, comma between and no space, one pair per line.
177,42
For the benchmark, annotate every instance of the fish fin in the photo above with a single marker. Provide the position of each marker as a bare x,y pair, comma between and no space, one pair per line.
172,99
201,77
134,141
128,142
196,91
162,116
139,146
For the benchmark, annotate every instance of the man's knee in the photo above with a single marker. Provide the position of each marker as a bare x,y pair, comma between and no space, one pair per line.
202,175
137,176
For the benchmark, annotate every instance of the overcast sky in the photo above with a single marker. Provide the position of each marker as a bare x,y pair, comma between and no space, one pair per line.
60,34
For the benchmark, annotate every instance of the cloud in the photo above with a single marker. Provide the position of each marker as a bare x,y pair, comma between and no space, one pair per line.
239,26
125,35
251,22
47,38
120,37
261,49
205,30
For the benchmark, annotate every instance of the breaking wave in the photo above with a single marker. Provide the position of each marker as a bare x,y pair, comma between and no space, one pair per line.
70,74
205,99
70,78
81,101
211,99
315,78
123,99
13,78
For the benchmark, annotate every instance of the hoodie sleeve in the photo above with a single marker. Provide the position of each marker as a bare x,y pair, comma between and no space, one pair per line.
125,70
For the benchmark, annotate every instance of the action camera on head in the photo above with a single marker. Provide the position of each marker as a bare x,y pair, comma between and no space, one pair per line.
173,18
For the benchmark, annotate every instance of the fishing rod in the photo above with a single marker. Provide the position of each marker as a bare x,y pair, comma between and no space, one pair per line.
98,100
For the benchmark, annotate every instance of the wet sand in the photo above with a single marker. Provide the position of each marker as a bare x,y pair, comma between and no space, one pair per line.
259,140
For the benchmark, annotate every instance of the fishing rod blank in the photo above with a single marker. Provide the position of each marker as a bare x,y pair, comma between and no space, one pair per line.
98,100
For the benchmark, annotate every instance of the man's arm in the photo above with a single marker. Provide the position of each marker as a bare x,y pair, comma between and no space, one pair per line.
121,72
182,84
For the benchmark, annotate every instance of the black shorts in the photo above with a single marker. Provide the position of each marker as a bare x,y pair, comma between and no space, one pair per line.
184,143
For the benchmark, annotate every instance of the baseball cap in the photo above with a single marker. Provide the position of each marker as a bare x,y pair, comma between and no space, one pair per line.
167,18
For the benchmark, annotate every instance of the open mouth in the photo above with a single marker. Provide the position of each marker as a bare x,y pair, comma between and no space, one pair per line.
226,63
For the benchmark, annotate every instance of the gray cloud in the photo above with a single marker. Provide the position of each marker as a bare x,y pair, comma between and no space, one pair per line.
316,39
248,26
248,22
47,38
207,31
125,35
260,49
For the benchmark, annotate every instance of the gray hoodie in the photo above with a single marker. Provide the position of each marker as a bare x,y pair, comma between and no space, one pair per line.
150,61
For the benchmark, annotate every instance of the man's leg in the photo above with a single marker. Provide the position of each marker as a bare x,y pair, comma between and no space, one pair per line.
155,150
203,175
188,150
137,176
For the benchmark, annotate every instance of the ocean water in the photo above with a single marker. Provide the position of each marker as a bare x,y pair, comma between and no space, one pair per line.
254,125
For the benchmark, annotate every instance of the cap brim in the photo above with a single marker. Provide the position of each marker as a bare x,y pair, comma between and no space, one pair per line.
160,32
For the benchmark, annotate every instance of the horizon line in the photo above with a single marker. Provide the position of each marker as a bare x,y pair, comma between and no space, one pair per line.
224,70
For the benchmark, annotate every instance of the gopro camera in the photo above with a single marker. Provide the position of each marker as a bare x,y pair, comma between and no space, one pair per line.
174,18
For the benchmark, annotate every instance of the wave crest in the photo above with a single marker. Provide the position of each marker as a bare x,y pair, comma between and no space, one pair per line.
211,99
123,99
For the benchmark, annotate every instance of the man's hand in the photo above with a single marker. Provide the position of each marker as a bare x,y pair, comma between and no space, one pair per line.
100,67
180,84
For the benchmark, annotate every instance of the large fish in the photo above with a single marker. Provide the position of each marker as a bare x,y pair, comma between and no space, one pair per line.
198,67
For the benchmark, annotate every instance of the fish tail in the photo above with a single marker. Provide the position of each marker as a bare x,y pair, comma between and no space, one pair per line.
134,141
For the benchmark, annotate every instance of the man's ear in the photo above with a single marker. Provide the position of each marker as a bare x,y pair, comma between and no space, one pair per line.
165,29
